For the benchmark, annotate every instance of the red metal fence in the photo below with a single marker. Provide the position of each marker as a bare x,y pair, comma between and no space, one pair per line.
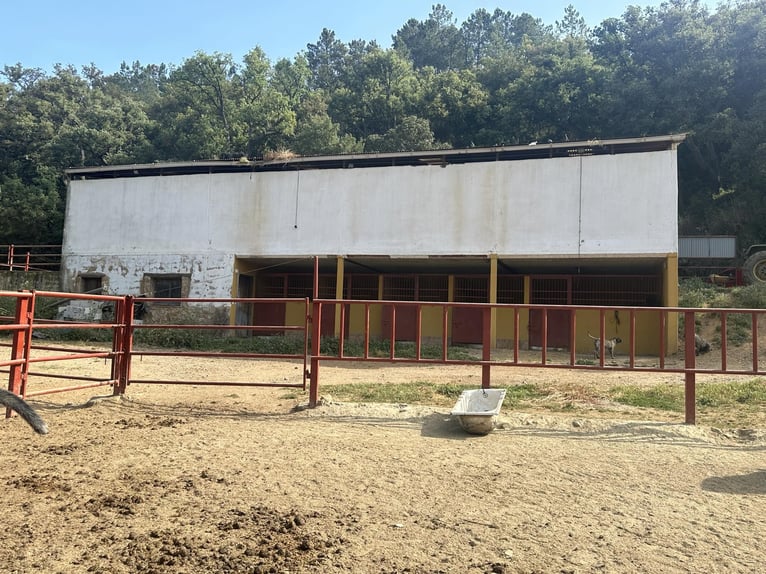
25,326
29,342
30,257
688,368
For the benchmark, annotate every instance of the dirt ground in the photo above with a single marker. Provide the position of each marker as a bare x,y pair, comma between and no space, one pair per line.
189,479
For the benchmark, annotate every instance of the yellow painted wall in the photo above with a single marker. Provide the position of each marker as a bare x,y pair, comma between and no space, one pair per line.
504,327
356,320
295,314
617,324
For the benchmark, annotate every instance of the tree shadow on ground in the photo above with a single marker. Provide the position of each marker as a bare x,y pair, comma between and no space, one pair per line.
751,483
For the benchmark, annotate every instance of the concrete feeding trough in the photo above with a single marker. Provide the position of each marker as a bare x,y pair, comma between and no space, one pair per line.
477,409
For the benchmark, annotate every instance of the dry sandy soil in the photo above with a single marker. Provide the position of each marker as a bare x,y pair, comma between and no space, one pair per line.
200,479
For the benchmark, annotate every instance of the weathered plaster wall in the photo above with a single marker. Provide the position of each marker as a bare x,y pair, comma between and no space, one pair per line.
619,205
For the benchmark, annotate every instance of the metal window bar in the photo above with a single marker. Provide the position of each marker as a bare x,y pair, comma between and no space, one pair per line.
399,288
510,289
549,291
471,289
362,287
433,288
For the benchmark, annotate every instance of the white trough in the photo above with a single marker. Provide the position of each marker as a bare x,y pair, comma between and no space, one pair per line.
477,409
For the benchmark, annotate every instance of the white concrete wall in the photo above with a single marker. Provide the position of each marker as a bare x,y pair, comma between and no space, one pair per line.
591,206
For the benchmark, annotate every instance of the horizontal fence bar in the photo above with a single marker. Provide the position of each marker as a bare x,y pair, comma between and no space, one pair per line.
214,355
17,294
68,389
78,296
588,308
220,300
61,376
220,327
71,356
215,383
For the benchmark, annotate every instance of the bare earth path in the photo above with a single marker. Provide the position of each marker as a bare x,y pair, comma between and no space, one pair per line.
200,479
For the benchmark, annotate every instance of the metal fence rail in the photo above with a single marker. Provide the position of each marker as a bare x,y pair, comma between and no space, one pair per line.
489,314
30,257
24,326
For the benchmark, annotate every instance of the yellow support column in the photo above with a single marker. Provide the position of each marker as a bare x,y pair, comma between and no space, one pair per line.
338,292
670,299
493,298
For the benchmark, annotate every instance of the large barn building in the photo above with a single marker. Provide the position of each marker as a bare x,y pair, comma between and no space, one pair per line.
579,223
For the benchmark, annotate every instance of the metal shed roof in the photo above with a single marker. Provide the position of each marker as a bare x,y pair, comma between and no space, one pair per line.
534,150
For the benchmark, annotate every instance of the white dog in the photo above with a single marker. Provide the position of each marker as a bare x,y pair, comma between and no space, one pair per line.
609,345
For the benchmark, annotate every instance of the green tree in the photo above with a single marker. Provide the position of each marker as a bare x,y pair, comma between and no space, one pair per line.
381,90
325,60
411,134
455,104
435,42
317,134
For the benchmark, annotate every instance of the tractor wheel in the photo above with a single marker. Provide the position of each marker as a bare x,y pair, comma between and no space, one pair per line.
754,268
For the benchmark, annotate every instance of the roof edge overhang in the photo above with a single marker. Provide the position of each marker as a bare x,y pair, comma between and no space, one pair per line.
442,158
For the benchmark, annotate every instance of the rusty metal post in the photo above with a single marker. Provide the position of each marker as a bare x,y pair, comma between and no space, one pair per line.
754,331
17,376
419,328
572,337
690,387
306,327
316,321
632,337
125,350
117,336
486,342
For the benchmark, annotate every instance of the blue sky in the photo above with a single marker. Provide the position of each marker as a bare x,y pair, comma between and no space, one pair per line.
42,33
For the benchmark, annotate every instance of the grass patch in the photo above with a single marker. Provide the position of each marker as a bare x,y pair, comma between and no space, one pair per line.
424,393
709,396
752,392
666,398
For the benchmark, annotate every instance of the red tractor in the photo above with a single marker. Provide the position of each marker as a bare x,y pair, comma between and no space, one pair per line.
754,267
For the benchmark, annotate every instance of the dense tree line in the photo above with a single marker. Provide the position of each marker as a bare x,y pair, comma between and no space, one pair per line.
497,78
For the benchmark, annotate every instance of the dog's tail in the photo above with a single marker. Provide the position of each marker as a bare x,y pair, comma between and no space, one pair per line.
25,411
592,337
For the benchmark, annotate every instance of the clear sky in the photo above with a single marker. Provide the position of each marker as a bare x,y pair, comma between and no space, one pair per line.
41,33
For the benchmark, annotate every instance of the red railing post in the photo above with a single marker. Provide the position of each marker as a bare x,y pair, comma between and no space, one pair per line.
486,343
690,387
123,344
316,321
306,325
17,376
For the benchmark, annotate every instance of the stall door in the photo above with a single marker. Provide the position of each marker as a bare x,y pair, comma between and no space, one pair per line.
400,288
467,322
550,291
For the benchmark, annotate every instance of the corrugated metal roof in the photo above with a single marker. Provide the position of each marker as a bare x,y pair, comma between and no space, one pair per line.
707,247
534,150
